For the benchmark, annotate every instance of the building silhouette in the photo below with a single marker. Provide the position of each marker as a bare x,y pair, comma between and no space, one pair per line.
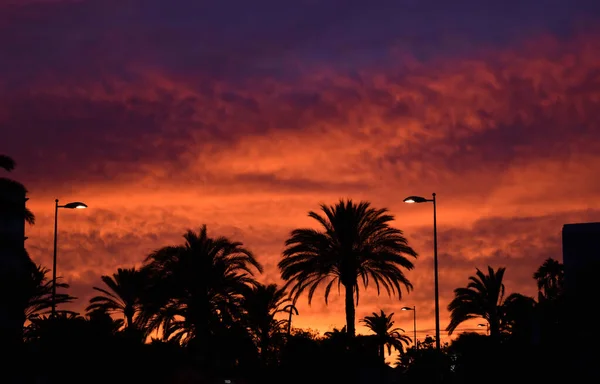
581,254
581,260
14,261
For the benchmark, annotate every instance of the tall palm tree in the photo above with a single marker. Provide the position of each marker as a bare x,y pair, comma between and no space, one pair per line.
123,295
549,277
196,286
262,304
356,243
482,298
382,326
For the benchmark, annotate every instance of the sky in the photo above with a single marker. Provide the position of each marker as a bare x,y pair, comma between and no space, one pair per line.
163,116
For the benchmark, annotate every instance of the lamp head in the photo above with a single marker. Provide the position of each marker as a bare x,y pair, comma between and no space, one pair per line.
406,309
415,199
75,205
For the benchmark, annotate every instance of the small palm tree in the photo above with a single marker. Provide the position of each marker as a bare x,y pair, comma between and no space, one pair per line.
549,278
39,294
337,335
355,244
123,295
262,304
482,298
382,326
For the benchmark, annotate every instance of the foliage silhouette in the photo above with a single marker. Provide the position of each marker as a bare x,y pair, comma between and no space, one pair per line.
195,291
549,277
39,301
262,303
385,334
213,320
356,243
124,295
482,298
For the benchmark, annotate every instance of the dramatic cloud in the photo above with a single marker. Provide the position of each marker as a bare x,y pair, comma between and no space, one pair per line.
162,118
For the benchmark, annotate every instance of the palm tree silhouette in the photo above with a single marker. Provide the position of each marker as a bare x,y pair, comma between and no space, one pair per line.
39,294
549,277
262,303
337,335
195,287
382,326
482,298
356,243
123,296
551,307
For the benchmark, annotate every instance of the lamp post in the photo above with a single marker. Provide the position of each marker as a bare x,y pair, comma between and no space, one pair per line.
73,205
419,199
414,309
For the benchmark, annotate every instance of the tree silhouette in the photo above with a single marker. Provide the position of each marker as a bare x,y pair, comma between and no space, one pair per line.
482,298
39,294
549,278
551,307
382,326
195,287
356,243
262,303
336,334
519,317
123,296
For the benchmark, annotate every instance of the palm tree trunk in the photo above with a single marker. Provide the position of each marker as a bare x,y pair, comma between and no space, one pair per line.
350,311
382,352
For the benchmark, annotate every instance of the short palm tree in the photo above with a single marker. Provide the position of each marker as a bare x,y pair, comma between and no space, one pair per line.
262,303
337,335
196,286
355,243
123,295
549,278
482,298
382,326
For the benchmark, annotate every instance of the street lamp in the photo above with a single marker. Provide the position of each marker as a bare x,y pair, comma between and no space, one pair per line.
414,309
73,205
419,199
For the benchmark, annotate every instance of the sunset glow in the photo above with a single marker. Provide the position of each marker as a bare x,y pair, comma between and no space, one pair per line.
163,119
